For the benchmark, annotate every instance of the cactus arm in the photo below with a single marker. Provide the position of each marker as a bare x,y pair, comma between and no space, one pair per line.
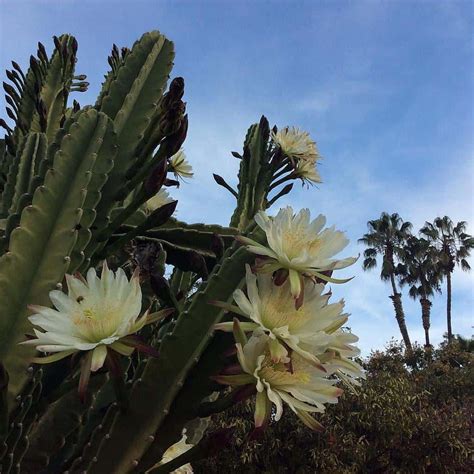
254,175
257,149
174,223
39,248
163,377
100,173
61,419
116,61
57,83
26,99
131,103
243,177
9,188
22,418
181,282
179,236
34,150
40,102
186,406
88,459
102,400
193,236
4,165
3,403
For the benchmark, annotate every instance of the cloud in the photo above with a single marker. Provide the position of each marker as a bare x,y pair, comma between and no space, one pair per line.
337,93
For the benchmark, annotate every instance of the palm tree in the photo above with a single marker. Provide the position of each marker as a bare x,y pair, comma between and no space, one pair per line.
454,245
386,238
421,273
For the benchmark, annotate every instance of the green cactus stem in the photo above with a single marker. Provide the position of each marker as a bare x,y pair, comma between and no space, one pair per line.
40,248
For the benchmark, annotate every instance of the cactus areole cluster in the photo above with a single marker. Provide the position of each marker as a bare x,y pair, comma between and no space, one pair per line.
122,328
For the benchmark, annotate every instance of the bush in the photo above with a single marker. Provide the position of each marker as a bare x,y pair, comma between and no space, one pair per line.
406,418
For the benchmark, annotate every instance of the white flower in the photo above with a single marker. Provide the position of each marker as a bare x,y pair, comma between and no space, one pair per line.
310,330
96,315
299,246
307,172
296,144
180,166
301,385
158,200
173,452
337,358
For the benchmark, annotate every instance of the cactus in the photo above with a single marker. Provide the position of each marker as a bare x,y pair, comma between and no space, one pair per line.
74,190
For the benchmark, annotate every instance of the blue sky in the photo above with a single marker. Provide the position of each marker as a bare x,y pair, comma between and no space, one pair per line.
384,87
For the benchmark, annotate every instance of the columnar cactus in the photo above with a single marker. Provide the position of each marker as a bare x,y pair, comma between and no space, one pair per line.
112,376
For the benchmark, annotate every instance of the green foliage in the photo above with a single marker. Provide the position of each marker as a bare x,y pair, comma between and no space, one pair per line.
403,420
386,237
419,269
452,245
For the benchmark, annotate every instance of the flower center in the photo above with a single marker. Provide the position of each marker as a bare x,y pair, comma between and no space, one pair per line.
96,324
280,374
297,242
278,310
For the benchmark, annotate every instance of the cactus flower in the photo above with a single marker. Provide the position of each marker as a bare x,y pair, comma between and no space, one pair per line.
307,172
173,452
180,166
299,384
296,144
310,330
299,247
158,200
97,315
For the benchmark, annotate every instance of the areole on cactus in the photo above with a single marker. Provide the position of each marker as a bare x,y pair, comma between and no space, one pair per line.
84,186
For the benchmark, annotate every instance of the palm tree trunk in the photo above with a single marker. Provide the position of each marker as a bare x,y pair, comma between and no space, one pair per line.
425,316
448,307
400,315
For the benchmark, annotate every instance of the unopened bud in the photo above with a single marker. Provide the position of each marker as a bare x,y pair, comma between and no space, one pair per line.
174,142
10,113
74,46
57,43
217,245
42,52
155,181
176,88
161,215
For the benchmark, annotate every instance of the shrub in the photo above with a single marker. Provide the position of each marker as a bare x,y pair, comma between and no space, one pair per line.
404,419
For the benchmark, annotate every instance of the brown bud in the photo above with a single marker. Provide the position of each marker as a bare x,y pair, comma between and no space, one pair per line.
155,181
174,142
217,245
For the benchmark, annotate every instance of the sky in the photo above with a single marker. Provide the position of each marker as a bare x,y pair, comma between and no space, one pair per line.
384,87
